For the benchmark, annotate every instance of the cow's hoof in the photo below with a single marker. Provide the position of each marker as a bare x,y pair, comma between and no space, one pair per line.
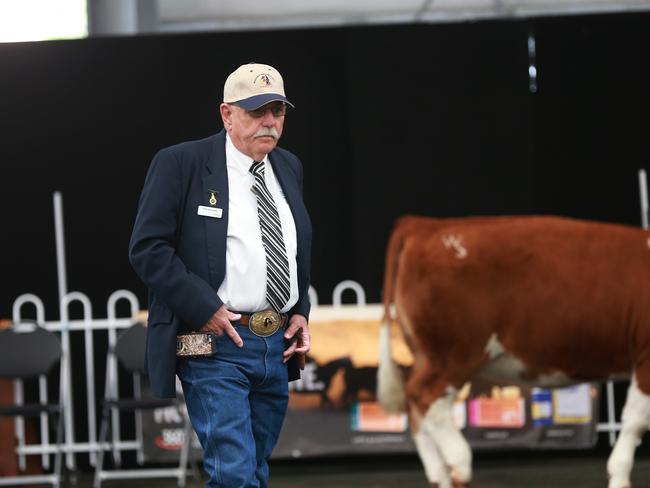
619,482
619,485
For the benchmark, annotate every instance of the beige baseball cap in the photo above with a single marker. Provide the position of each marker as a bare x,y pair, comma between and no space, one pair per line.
252,85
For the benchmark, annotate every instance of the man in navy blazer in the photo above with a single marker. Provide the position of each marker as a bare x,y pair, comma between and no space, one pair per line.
222,239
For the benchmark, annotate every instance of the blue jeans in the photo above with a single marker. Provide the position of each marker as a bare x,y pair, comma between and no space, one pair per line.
237,400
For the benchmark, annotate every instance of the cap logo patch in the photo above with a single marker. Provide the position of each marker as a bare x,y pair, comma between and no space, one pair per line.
263,80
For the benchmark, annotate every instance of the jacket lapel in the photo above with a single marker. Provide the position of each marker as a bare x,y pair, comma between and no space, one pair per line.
216,229
289,185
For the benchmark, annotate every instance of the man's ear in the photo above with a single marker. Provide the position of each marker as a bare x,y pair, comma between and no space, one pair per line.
226,115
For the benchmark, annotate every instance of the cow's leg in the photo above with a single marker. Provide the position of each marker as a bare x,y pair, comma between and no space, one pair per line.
635,422
453,447
427,390
434,467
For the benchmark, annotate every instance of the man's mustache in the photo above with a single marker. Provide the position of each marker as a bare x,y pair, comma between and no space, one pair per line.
268,131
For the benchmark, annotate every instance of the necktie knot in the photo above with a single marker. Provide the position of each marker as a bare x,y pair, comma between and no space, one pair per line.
257,167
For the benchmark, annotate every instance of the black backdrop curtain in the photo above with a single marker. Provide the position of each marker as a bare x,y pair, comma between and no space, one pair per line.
428,119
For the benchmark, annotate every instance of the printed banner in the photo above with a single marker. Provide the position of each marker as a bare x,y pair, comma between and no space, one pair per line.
333,409
164,435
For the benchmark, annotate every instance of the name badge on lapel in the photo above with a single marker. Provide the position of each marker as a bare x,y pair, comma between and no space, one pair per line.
213,212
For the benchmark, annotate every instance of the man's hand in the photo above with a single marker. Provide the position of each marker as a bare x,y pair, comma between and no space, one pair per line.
299,329
220,324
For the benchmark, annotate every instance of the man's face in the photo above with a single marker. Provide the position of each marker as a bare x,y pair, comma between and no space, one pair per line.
257,132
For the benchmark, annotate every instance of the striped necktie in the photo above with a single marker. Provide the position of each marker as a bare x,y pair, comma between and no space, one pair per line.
277,264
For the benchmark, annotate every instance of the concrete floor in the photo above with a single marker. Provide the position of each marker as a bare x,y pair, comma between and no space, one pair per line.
490,471
534,469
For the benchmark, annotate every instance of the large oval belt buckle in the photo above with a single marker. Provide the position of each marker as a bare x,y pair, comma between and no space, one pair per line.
264,323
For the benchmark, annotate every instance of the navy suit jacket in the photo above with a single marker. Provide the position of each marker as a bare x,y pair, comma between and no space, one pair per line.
181,256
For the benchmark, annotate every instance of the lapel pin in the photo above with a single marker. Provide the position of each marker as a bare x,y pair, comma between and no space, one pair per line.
213,198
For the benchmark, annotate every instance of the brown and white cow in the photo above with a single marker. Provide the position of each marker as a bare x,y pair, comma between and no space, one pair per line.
535,300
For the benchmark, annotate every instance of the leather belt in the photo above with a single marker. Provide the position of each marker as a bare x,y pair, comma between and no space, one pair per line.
263,323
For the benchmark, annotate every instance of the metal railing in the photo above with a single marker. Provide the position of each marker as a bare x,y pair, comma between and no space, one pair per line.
88,326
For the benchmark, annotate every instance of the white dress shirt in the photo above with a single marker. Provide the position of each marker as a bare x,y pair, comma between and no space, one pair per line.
244,286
